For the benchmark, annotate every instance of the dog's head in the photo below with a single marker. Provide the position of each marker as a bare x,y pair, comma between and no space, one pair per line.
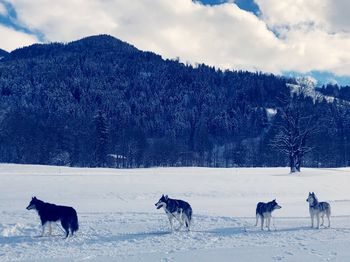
311,198
275,205
32,203
162,202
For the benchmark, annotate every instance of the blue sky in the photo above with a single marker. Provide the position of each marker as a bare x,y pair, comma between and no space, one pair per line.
10,20
248,5
299,38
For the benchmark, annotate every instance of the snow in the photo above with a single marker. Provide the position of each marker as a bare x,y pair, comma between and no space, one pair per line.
271,112
310,91
119,222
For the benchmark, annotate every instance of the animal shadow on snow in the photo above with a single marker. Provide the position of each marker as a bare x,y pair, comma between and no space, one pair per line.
290,229
86,238
25,239
231,231
125,237
226,231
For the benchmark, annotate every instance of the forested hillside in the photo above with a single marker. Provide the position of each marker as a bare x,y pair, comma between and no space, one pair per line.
102,102
3,53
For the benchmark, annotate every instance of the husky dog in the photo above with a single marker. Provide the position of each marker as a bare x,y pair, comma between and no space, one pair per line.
178,209
51,213
318,209
264,210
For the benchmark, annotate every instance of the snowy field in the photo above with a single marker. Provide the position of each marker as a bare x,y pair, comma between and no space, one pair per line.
119,222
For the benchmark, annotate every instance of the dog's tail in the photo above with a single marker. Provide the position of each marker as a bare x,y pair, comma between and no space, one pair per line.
74,226
188,213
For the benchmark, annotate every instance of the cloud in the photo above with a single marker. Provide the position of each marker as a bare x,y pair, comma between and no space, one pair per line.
315,32
328,15
221,35
338,15
292,13
288,35
11,38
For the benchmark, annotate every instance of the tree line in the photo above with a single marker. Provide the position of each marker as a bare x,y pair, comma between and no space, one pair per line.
101,102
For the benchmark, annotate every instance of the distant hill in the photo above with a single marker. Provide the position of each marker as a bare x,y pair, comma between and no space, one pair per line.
100,101
3,53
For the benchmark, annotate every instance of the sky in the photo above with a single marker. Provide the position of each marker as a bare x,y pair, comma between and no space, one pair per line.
289,37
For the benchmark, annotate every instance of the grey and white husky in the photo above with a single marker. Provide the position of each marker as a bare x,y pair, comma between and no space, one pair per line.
318,209
264,211
178,209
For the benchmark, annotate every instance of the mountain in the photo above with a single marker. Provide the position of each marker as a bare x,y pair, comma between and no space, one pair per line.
3,53
100,101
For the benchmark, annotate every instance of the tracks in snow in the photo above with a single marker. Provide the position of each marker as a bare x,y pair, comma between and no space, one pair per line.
129,236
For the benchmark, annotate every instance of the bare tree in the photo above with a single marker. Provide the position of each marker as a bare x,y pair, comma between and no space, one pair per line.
297,124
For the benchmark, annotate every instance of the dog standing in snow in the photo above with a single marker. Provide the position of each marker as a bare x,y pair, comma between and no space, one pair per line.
264,211
51,213
178,209
318,209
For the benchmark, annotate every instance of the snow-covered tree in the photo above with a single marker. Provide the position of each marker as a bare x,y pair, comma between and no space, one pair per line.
296,125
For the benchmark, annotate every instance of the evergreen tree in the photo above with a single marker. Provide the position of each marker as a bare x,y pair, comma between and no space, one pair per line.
101,145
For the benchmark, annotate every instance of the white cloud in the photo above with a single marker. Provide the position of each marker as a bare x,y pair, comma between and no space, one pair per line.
222,35
316,32
312,33
292,13
11,38
329,15
3,10
338,15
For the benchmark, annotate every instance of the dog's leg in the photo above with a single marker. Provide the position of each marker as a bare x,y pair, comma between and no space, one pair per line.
262,222
318,220
181,220
257,219
171,222
268,221
312,220
329,220
43,229
180,226
322,216
50,229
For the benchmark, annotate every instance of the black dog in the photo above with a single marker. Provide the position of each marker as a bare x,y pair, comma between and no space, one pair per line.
52,213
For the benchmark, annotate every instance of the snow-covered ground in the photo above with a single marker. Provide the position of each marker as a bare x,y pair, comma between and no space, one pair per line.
119,222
